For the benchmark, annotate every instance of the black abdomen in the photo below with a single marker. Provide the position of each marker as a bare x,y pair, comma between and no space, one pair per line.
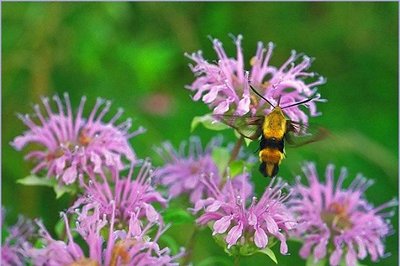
271,143
263,170
271,154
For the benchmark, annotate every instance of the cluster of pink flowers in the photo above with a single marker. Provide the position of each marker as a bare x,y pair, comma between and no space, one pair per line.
230,214
121,247
225,85
117,218
70,144
16,240
181,172
330,215
121,206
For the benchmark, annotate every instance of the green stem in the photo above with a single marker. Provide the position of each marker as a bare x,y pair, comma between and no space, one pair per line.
186,260
233,157
236,260
236,149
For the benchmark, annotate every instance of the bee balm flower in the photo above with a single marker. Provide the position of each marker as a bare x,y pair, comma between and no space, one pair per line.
121,247
225,85
133,193
70,144
15,240
330,215
239,222
181,172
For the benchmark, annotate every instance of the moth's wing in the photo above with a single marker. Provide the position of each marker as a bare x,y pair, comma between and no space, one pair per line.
248,126
298,134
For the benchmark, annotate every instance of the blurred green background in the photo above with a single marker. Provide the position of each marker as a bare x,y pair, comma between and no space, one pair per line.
132,53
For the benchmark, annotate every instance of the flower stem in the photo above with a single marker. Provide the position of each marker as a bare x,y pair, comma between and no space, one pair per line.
236,149
233,157
186,260
236,260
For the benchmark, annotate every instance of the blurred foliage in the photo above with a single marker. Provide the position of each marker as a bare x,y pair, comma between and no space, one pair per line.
133,54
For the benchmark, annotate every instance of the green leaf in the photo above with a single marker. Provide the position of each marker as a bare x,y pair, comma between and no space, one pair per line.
39,243
33,180
60,228
4,231
236,167
215,261
208,122
170,243
61,190
177,216
267,251
221,158
247,141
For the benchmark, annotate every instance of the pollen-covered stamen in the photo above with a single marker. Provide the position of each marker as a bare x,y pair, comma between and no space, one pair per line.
55,154
120,252
83,138
336,217
253,101
85,262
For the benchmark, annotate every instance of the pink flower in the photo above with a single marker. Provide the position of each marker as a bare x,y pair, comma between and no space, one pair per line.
70,144
181,172
16,240
133,193
331,215
121,247
225,85
229,214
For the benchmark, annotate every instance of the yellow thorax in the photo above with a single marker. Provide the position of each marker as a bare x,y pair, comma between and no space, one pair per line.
275,124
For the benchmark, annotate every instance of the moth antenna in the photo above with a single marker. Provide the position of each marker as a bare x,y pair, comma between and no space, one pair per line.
279,100
262,97
298,103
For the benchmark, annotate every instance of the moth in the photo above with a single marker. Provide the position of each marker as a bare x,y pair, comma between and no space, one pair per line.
274,131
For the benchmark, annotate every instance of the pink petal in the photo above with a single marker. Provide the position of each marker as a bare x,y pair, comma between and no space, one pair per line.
96,160
320,249
272,227
351,259
60,165
283,248
221,108
260,238
214,206
234,234
210,96
252,219
69,175
135,227
151,213
222,225
19,142
243,106
335,257
306,249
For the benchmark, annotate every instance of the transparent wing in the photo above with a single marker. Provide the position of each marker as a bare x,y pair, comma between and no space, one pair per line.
247,126
298,134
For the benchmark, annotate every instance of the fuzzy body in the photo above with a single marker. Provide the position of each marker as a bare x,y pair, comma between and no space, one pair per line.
272,142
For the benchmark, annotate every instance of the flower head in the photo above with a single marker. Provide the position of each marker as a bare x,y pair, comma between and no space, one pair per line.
70,144
133,193
239,222
338,222
182,172
17,239
225,85
122,247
